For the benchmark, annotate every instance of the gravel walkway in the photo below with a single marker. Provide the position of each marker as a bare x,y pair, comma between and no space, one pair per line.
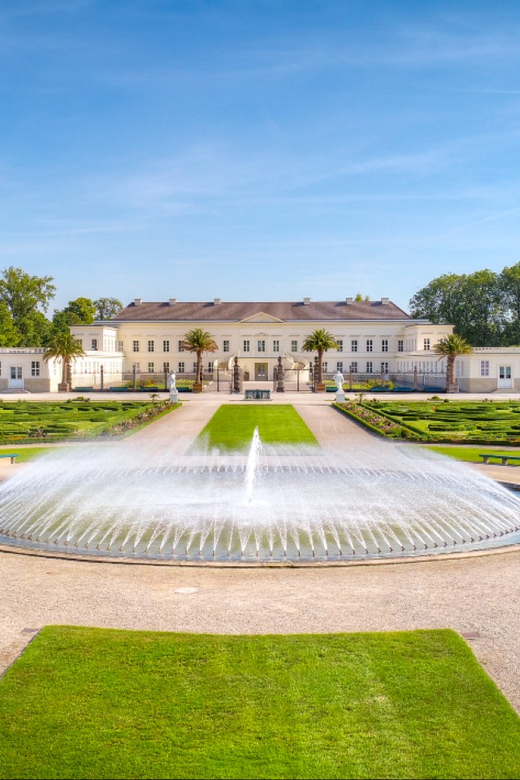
477,596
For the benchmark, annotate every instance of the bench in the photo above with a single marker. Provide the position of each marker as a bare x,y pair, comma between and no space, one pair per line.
257,395
118,389
9,455
504,458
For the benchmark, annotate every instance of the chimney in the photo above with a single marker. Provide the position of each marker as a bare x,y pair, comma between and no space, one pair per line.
385,301
349,301
306,301
138,301
217,301
172,301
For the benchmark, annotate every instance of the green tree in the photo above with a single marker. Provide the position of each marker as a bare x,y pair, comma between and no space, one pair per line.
106,308
199,341
64,347
27,298
319,341
509,286
449,348
81,311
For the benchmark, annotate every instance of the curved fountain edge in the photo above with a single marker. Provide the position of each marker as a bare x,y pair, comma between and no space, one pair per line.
439,556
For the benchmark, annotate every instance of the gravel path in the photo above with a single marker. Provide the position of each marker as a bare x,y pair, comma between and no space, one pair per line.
477,596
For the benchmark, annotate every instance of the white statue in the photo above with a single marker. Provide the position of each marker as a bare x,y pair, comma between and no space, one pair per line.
339,379
171,381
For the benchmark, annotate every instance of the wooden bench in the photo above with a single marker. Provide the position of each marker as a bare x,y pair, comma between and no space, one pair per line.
9,455
503,458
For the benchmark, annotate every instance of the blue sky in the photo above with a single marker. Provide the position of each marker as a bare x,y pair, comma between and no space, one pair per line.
254,150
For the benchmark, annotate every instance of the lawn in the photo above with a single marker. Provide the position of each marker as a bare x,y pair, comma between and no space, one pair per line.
232,426
32,421
100,703
471,454
479,421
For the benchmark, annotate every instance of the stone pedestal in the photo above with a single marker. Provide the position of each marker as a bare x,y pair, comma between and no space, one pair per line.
340,397
174,396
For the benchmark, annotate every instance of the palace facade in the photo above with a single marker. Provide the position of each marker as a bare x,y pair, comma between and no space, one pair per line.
374,338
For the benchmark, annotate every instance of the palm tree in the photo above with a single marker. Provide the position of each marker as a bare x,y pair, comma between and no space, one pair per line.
449,348
319,341
199,341
64,347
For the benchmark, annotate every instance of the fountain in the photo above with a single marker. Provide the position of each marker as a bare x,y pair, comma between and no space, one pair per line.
271,504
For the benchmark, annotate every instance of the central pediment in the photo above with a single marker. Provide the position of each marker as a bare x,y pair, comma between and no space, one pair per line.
261,316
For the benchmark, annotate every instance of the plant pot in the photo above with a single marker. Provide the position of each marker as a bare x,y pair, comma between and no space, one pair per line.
197,387
63,387
320,387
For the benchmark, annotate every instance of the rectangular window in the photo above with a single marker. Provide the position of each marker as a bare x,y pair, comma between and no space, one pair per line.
384,368
246,345
119,346
339,365
484,368
294,346
339,342
210,367
276,345
166,367
504,372
166,346
400,345
426,345
261,345
353,366
135,346
151,346
180,346
151,368
370,367
181,367
35,368
194,369
325,367
384,345
225,345
370,345
0,369
93,344
354,345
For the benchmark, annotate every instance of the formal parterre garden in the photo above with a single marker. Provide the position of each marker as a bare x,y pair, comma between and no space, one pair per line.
29,421
101,703
440,421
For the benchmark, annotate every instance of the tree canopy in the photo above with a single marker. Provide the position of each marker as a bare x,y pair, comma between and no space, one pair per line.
106,308
484,306
64,347
25,300
199,341
450,347
319,341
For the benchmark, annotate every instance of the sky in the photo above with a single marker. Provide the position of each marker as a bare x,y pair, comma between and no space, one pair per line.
258,149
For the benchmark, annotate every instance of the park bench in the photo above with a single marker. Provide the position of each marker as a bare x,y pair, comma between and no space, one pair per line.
257,395
503,458
9,455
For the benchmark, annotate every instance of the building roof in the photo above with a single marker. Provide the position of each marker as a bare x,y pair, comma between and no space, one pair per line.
263,311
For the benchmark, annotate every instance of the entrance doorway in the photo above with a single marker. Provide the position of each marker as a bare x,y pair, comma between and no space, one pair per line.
505,378
15,378
261,372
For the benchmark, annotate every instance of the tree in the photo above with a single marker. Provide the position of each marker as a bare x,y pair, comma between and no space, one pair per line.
27,298
509,286
319,341
64,347
199,341
106,308
450,347
81,311
9,336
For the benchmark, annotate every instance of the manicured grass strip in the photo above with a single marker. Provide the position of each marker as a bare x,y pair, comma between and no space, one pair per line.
232,427
471,454
26,454
92,703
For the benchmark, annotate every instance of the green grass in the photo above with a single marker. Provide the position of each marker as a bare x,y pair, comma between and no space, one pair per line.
26,454
99,703
470,454
29,421
232,426
464,421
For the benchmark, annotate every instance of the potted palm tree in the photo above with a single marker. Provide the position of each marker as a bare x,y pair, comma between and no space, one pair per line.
198,341
450,347
319,341
64,347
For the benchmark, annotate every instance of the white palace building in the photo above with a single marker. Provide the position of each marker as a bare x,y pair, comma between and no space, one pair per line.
374,338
